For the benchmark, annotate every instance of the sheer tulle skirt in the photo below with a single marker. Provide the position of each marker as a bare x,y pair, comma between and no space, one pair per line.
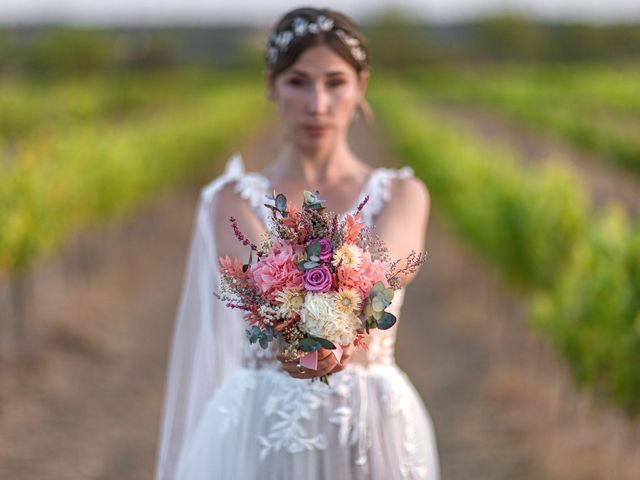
262,424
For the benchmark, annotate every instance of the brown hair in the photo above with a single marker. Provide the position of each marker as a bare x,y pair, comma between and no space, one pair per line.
329,38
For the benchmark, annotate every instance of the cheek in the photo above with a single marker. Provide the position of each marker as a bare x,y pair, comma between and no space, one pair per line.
291,99
343,102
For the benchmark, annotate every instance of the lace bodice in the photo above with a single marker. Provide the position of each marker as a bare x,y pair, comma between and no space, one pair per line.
253,187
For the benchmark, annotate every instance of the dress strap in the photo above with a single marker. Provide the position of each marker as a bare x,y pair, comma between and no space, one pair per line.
250,185
379,190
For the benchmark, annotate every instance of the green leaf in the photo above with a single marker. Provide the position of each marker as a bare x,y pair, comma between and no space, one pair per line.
281,202
377,304
309,345
313,249
387,320
368,311
377,287
254,334
388,294
371,323
324,343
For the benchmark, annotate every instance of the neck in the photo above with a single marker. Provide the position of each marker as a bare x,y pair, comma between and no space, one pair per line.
317,168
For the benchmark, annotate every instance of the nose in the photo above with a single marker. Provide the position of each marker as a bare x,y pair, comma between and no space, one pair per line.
318,100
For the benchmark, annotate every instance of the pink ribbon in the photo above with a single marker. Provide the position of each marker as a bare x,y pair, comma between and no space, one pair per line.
310,360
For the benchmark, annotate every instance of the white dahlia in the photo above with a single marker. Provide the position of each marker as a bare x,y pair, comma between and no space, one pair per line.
321,317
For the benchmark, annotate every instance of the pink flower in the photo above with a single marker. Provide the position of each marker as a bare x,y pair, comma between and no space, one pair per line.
363,277
318,279
277,270
326,248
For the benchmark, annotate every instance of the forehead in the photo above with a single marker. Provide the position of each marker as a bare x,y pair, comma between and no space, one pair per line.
320,60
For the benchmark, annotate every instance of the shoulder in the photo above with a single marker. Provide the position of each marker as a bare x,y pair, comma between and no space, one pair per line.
411,189
409,195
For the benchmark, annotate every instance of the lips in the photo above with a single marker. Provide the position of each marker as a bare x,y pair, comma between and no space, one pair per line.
315,129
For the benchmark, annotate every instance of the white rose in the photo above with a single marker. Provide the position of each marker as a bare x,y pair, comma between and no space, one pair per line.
321,317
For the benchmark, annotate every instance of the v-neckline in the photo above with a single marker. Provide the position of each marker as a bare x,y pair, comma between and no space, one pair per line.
267,189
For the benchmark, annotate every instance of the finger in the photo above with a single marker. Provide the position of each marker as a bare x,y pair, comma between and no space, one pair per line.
324,353
329,362
282,358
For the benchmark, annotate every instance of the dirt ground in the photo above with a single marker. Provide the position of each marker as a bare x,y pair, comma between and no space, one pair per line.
85,401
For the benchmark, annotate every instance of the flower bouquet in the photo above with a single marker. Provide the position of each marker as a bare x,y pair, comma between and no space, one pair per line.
317,281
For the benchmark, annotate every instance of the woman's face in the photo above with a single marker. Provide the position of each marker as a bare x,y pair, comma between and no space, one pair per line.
316,97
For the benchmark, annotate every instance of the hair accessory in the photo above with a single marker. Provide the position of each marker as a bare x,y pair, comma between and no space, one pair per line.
279,41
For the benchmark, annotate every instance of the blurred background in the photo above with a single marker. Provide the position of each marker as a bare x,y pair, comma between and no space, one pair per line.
522,330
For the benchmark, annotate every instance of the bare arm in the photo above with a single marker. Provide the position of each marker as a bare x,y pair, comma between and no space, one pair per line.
402,223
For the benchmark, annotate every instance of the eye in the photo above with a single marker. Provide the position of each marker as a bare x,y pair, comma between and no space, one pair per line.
335,83
296,82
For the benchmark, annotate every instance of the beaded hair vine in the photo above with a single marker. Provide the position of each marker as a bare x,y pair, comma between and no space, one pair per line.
279,41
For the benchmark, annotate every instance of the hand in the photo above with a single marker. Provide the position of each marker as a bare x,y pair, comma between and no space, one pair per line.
327,362
347,351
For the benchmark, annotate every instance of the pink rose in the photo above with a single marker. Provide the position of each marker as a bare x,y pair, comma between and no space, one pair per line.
318,279
326,248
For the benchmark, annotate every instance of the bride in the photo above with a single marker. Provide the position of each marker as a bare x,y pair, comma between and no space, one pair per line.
234,411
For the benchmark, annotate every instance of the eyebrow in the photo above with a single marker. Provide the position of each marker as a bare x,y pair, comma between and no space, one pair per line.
328,74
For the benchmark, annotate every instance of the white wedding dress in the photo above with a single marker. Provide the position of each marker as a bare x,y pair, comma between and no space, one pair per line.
231,413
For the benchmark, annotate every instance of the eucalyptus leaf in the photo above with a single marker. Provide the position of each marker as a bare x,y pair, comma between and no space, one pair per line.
268,333
281,202
264,343
309,345
377,304
383,299
388,293
254,335
313,249
368,311
325,343
387,320
309,265
371,323
377,287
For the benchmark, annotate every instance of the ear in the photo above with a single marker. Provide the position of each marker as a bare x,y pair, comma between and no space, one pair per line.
269,81
363,81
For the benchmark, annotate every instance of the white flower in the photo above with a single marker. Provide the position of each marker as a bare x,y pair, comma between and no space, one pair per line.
269,314
321,317
325,23
299,25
